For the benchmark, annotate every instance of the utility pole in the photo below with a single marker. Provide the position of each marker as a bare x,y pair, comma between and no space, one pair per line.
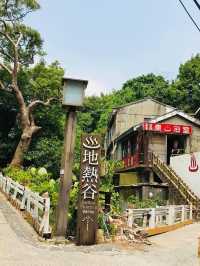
66,181
73,96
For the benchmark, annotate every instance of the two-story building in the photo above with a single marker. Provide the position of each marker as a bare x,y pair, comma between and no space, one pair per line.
142,128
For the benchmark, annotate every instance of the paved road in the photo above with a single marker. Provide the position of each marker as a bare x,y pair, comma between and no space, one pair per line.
19,247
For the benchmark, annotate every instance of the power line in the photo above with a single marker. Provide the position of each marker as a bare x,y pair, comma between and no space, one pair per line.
190,16
197,4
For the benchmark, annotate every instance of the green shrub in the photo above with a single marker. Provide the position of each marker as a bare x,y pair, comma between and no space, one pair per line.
36,179
146,203
105,226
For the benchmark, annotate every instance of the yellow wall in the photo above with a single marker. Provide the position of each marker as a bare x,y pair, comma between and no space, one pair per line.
128,179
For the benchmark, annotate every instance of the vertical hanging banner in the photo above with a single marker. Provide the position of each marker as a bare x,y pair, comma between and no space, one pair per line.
89,188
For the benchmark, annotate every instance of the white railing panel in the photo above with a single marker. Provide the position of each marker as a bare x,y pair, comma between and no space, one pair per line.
155,217
36,206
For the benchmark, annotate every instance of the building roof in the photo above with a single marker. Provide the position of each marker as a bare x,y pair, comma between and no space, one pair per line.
176,113
197,113
143,100
116,109
162,118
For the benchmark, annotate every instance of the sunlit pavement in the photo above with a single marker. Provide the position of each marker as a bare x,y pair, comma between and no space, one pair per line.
19,246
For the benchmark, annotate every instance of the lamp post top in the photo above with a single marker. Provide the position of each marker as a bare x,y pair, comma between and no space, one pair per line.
73,92
85,82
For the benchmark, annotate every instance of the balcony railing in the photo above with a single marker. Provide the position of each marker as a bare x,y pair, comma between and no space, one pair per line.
134,160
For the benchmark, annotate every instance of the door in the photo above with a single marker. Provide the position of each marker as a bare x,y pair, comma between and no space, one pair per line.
175,145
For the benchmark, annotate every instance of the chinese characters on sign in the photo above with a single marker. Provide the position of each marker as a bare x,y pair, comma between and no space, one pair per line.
167,128
89,185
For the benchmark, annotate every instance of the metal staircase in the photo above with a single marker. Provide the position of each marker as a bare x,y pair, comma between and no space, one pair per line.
163,170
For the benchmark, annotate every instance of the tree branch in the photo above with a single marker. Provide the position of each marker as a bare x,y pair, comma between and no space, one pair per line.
4,88
13,73
32,124
19,39
35,103
8,38
2,51
32,120
4,23
6,68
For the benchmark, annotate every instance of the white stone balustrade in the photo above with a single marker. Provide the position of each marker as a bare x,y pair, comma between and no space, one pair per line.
36,207
160,216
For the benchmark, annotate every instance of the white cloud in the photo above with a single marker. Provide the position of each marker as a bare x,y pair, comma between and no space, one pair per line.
95,88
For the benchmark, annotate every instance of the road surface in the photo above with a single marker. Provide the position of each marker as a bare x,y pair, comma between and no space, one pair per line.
19,246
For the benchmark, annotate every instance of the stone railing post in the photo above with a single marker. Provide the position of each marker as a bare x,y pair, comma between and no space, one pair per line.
22,206
44,226
4,184
35,211
130,218
7,188
152,219
182,213
14,196
144,222
171,215
28,204
1,180
191,214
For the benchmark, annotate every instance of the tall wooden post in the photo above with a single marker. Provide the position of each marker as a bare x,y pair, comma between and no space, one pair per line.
65,181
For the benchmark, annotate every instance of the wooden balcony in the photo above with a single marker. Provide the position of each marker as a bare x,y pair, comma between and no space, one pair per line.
136,161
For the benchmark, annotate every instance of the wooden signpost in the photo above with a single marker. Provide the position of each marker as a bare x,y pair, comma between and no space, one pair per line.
89,189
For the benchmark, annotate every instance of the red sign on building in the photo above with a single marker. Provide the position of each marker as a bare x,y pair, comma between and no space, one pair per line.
167,128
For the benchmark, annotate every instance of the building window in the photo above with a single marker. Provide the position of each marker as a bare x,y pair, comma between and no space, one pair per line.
133,145
124,149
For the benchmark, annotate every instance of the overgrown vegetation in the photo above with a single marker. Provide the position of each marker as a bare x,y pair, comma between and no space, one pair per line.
38,180
145,203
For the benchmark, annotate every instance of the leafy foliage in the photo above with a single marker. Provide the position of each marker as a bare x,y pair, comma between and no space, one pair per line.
38,180
47,152
187,85
106,184
108,228
41,81
17,9
146,203
141,87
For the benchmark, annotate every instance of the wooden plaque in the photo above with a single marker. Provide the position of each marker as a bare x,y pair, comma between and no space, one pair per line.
89,189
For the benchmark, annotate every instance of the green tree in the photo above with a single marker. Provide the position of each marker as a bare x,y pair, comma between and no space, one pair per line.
45,149
19,45
185,90
143,86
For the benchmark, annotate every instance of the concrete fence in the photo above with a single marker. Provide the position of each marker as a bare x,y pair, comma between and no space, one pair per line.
160,216
35,207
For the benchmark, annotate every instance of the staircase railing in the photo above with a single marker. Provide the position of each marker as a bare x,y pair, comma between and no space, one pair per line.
171,176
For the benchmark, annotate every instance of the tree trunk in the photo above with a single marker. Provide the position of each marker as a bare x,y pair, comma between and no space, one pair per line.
23,146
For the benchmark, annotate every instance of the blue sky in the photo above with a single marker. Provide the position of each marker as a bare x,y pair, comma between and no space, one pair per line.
111,41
